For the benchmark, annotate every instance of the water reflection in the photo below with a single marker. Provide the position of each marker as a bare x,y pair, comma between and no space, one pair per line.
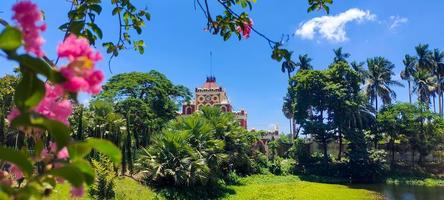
392,192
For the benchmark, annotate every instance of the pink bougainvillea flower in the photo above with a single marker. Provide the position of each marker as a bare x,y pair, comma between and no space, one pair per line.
245,29
52,150
63,153
77,191
74,48
81,76
80,73
53,106
27,15
18,174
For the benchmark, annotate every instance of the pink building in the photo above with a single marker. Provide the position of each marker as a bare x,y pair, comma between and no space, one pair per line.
211,94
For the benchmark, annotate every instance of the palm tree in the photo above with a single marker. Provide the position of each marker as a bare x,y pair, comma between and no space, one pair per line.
379,81
359,68
304,62
409,69
438,71
339,55
425,84
288,66
424,57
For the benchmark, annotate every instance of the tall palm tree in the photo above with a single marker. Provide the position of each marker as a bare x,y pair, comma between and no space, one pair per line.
359,68
424,57
288,66
379,81
425,84
304,62
438,71
340,56
409,69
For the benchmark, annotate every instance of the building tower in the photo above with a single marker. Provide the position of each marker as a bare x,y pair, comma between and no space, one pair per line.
211,94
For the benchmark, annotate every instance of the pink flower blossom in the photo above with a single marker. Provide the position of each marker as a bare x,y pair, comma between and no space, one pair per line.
18,174
53,106
63,153
80,72
74,48
77,191
81,78
27,15
245,28
13,114
52,149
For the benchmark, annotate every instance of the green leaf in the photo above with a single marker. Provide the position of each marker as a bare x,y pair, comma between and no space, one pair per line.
79,150
59,131
86,169
71,173
76,27
10,39
17,158
96,30
39,66
96,8
29,92
106,147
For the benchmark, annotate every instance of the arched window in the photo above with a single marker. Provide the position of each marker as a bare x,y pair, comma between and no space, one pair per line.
188,110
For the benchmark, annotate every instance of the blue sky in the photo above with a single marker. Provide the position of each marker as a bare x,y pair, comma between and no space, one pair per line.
178,46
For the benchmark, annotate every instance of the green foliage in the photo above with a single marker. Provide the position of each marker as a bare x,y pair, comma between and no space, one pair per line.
103,187
10,39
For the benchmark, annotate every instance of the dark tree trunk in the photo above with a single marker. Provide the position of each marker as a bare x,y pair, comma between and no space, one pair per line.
2,128
340,144
434,105
410,92
392,146
123,159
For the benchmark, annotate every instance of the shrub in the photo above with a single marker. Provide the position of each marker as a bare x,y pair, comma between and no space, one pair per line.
103,187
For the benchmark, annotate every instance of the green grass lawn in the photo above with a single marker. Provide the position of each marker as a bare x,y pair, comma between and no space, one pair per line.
125,189
259,187
255,187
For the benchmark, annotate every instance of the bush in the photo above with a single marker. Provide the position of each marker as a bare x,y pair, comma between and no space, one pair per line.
103,187
276,166
232,178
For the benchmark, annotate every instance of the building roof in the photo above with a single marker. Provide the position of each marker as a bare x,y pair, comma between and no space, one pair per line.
210,83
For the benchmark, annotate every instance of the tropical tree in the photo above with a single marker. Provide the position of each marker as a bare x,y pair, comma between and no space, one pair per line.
425,84
438,72
304,62
424,57
340,56
379,81
408,72
288,66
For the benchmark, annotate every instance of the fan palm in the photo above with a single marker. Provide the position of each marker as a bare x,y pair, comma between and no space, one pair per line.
407,74
339,55
379,81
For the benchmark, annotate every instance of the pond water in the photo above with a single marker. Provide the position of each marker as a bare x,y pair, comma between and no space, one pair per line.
399,192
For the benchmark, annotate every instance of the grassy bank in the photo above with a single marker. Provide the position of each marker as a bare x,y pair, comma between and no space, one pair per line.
125,188
255,187
291,187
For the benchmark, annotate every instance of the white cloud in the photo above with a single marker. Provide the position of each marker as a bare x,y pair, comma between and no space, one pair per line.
396,21
332,28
